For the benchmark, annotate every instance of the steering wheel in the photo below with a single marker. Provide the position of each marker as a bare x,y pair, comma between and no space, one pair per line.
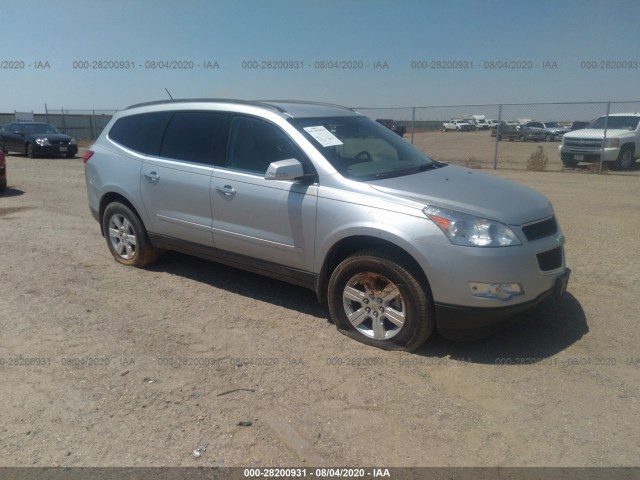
366,156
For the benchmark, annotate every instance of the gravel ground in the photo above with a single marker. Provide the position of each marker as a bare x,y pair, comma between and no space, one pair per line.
104,365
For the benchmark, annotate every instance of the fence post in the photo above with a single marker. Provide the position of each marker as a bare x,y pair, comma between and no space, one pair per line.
413,123
495,151
604,138
92,122
46,112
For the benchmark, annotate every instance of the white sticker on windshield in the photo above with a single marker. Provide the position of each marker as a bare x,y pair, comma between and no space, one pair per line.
323,136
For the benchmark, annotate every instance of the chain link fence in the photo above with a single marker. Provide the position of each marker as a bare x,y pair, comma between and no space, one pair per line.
441,133
432,130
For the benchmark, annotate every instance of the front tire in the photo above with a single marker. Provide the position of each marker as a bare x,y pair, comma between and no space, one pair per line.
126,236
625,159
28,150
377,300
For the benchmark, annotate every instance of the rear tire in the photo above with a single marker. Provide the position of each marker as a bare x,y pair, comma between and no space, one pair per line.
375,299
126,236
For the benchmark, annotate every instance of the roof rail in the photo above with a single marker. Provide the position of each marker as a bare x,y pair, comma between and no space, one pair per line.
178,101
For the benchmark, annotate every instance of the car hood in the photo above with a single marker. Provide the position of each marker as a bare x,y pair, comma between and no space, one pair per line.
598,133
471,192
56,137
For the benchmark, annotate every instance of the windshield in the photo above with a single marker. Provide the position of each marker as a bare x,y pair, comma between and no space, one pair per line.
622,123
44,128
553,125
362,149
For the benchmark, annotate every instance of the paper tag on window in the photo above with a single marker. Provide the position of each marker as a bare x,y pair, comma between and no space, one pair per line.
323,136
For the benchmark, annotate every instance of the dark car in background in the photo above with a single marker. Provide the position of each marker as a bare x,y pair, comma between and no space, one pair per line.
35,138
552,130
513,131
3,172
579,125
393,126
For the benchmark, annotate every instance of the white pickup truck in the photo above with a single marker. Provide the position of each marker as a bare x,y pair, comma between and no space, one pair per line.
621,147
458,124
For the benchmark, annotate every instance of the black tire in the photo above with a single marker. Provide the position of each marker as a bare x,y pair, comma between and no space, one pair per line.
570,163
4,149
124,223
522,138
625,159
28,150
71,155
405,297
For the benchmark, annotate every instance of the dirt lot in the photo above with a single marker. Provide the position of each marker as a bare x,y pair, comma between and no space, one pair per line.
104,365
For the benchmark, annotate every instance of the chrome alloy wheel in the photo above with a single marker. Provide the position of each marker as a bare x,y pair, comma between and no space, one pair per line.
122,236
374,306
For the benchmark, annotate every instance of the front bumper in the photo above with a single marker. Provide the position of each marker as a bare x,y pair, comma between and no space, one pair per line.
56,149
467,323
588,155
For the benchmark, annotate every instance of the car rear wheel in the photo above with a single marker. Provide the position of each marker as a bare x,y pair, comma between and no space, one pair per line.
126,236
377,300
625,159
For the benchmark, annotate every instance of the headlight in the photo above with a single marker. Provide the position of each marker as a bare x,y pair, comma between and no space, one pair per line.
42,142
469,231
612,142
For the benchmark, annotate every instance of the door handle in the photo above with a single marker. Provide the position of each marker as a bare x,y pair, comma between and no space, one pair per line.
153,177
227,190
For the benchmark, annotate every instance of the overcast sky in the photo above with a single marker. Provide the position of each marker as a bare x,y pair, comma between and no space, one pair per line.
84,54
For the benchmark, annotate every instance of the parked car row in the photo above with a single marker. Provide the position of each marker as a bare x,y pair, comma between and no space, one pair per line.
36,139
532,130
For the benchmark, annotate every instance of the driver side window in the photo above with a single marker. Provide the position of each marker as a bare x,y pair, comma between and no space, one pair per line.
254,144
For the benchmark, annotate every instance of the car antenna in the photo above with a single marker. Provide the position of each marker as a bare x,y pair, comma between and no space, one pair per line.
167,90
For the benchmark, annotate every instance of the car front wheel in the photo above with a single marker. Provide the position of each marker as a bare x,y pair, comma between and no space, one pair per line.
126,236
625,159
377,300
28,150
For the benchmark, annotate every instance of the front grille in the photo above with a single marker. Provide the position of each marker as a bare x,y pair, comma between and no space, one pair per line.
583,142
59,142
542,229
550,260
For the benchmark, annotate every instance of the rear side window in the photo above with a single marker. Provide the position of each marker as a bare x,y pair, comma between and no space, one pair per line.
191,136
142,133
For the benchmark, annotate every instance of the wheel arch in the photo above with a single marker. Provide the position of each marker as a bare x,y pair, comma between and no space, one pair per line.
350,245
111,197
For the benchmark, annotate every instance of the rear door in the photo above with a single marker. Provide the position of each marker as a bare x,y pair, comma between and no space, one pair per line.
175,186
269,220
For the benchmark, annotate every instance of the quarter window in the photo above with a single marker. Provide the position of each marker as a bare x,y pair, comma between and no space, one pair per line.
142,133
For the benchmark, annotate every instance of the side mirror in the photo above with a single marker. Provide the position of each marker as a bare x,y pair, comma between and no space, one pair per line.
288,170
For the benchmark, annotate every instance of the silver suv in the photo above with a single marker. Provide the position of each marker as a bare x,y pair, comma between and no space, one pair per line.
321,196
